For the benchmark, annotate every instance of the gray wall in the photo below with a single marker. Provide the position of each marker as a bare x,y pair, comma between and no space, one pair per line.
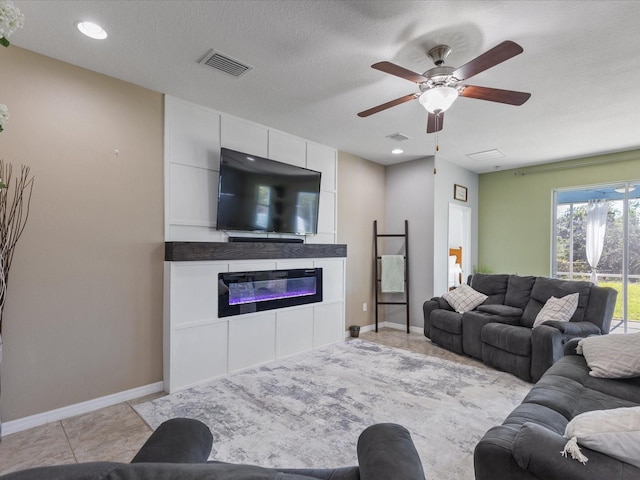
448,175
409,196
414,193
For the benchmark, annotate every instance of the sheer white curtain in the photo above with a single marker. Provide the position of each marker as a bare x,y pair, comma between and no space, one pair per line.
596,226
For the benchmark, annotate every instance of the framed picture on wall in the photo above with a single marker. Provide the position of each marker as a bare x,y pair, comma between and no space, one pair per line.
460,193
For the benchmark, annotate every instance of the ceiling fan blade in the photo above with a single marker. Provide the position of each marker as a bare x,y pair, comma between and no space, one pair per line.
398,71
510,97
488,59
390,104
435,122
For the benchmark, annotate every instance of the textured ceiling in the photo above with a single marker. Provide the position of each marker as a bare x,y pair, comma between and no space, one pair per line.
311,68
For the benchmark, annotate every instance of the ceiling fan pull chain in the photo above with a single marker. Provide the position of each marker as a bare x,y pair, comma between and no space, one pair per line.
435,155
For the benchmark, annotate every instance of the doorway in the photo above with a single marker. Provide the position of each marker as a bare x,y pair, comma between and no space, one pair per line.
459,237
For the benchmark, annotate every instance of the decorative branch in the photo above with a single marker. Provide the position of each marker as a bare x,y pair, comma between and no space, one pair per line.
15,201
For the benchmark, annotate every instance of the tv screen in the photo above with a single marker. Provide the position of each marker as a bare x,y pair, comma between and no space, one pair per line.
256,194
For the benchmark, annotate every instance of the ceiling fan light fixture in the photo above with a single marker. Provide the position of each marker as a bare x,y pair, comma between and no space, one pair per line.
438,99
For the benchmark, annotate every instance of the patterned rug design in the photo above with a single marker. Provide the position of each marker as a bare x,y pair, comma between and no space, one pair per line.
308,410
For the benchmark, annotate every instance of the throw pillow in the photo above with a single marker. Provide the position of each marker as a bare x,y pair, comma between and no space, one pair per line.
558,309
464,298
614,432
612,356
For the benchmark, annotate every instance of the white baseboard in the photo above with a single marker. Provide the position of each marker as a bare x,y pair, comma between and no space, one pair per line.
400,326
396,326
78,409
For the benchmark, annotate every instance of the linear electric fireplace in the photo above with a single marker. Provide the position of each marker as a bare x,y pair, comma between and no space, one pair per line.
247,292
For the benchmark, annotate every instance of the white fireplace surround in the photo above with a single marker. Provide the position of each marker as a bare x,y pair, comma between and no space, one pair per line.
199,346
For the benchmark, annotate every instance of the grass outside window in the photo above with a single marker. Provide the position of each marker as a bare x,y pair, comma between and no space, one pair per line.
633,301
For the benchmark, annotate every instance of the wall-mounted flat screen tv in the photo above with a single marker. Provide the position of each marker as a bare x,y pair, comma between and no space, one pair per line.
256,194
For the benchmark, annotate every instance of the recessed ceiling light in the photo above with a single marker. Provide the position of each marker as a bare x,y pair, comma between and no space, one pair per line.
397,151
92,30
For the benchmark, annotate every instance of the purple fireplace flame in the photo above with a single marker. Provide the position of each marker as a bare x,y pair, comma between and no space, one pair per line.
247,292
260,291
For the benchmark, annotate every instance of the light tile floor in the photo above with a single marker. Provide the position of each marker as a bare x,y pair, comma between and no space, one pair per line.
110,434
116,433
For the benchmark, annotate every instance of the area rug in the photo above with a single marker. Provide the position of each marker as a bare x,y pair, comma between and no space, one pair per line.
308,410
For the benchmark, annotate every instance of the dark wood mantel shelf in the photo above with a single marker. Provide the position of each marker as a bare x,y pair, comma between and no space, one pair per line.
194,251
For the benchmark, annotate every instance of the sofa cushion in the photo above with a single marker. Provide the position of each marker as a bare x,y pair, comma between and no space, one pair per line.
539,414
614,432
464,298
544,288
447,321
501,310
518,291
557,309
626,389
508,338
612,356
492,285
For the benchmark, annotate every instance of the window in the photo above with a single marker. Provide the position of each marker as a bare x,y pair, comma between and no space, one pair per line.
596,237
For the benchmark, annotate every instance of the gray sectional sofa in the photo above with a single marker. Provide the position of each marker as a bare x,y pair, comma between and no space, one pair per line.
499,332
527,445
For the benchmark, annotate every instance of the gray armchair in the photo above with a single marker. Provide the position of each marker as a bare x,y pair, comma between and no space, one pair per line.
179,449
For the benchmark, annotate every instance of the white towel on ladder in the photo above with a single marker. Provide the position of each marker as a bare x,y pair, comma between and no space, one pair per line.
392,278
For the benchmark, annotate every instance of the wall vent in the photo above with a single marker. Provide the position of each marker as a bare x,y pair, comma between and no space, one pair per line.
225,64
398,137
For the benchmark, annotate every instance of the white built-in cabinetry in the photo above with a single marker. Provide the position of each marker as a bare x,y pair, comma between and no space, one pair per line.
199,346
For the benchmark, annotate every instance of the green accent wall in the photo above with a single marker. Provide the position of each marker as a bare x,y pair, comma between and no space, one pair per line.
515,208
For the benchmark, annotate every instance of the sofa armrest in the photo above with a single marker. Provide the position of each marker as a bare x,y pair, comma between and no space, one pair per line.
602,303
385,451
537,450
576,329
179,440
436,303
571,346
441,303
548,340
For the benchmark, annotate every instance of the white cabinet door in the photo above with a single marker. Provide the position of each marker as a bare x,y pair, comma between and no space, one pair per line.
198,354
194,292
328,324
294,331
332,279
252,340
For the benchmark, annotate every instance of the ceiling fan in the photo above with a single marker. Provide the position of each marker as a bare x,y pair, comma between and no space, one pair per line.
441,85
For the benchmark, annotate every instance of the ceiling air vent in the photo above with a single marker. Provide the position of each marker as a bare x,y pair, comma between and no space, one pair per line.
225,64
398,137
486,155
